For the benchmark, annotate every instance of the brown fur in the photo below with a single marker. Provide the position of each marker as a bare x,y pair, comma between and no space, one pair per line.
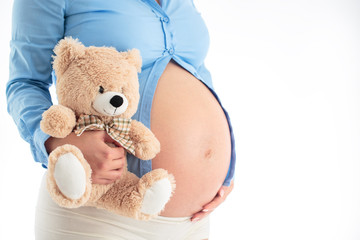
144,141
61,121
80,71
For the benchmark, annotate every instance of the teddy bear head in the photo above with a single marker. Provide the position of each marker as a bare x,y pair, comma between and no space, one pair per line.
97,80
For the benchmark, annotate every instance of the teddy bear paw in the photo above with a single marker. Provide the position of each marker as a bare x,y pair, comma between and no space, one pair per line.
70,176
148,150
156,197
58,121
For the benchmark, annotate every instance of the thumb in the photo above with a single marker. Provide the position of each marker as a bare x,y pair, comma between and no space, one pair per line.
108,139
111,142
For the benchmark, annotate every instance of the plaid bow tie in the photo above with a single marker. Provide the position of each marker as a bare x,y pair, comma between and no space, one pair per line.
118,129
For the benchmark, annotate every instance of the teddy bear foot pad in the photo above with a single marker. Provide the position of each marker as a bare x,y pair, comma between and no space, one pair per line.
156,197
68,176
67,172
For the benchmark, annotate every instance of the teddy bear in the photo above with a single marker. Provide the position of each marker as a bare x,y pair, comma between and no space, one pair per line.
98,89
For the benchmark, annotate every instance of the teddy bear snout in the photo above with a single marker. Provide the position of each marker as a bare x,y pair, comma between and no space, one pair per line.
116,101
110,103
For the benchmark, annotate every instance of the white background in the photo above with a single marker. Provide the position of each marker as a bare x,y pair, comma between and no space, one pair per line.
289,74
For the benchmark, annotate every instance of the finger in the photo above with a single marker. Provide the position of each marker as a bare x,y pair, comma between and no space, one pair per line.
102,181
208,208
103,167
117,152
111,142
106,178
218,199
116,164
199,215
114,174
107,138
107,154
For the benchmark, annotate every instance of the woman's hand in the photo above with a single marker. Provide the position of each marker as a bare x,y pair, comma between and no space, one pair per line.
106,162
217,200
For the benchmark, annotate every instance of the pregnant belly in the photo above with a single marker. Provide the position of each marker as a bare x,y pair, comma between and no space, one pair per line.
195,140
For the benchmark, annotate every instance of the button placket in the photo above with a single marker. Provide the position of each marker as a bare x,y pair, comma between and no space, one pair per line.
169,47
166,25
165,19
171,51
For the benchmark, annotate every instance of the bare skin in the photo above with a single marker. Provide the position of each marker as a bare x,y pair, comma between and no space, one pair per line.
195,141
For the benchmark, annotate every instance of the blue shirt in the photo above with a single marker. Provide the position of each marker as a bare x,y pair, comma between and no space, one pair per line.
174,30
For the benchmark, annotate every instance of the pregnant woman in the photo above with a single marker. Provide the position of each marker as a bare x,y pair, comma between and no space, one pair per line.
177,102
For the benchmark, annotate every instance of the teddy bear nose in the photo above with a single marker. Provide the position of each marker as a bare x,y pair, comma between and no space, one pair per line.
116,101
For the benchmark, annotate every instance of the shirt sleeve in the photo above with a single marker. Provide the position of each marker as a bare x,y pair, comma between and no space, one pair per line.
37,26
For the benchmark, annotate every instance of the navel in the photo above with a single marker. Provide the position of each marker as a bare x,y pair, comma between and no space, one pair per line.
208,154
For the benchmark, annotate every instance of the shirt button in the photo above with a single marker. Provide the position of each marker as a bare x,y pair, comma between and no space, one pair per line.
165,19
171,51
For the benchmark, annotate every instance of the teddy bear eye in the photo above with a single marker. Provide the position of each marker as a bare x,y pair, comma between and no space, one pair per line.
101,89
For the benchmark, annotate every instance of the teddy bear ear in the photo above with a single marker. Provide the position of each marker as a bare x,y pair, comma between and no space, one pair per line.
133,57
66,51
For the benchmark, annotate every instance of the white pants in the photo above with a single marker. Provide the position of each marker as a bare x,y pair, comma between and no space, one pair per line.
55,223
